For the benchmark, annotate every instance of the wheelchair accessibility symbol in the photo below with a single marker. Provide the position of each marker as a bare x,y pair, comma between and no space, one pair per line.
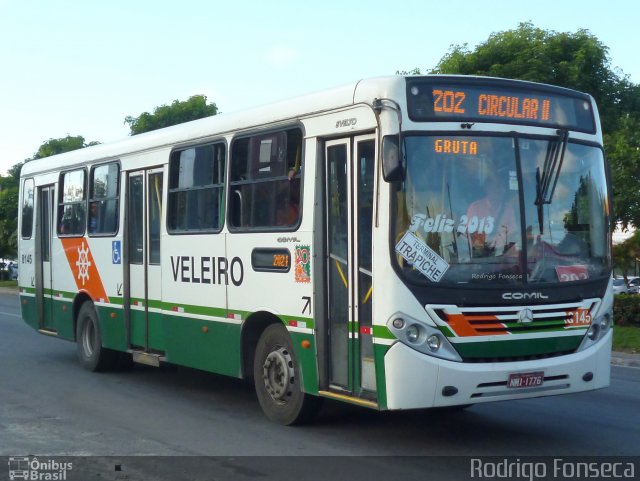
116,257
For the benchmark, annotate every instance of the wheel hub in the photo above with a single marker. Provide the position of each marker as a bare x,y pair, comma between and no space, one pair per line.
278,374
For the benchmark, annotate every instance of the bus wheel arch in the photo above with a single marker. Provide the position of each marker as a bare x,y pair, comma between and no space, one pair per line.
78,302
88,334
252,329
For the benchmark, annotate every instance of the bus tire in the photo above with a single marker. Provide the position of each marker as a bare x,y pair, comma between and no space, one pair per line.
276,376
91,354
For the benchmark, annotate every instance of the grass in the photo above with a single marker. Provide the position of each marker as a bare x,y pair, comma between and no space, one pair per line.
626,339
8,283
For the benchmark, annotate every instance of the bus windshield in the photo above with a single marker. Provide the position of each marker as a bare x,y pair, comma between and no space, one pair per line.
481,210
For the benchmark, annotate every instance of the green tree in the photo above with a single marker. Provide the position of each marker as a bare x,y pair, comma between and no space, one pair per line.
194,108
623,152
626,254
10,186
573,60
58,146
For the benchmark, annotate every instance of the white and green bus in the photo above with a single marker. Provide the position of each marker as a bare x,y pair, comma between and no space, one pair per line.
397,243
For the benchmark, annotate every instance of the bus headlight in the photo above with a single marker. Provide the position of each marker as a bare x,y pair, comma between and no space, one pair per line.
593,331
602,321
413,333
422,337
433,342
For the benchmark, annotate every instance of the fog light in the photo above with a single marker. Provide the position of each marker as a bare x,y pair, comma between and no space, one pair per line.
433,342
413,333
398,323
592,333
449,391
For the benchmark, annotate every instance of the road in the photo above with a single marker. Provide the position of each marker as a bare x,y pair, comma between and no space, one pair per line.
50,405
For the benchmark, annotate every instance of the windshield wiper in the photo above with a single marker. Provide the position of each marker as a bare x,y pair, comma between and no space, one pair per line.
547,180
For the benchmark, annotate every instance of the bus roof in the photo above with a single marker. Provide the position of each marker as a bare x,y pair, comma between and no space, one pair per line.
209,127
361,92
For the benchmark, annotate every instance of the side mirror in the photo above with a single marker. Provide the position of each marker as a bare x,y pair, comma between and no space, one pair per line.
392,168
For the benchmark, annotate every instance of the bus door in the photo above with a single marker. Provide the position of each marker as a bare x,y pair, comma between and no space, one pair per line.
44,276
142,293
349,191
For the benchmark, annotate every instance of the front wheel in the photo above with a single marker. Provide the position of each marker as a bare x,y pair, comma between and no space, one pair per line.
276,376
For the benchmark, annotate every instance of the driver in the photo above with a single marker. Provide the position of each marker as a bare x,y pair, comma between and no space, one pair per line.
491,220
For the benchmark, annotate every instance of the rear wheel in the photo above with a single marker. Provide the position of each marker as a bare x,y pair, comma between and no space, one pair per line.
91,354
276,376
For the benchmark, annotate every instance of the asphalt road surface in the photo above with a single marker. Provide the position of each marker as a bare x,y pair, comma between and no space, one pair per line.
49,405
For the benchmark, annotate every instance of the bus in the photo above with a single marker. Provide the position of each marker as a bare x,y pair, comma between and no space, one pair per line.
396,243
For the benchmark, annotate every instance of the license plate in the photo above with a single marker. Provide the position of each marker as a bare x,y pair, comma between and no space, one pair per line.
525,379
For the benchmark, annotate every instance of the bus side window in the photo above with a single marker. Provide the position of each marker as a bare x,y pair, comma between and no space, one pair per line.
27,209
72,204
265,181
196,189
104,200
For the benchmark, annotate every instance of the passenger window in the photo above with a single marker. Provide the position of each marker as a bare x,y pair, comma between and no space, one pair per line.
196,189
72,204
27,209
104,199
265,181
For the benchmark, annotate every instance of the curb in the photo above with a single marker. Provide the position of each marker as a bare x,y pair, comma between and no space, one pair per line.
625,359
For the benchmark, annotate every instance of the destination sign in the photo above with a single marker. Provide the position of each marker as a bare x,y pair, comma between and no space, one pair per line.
433,100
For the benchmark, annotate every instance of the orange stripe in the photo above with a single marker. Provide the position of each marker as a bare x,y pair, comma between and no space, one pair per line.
83,267
460,324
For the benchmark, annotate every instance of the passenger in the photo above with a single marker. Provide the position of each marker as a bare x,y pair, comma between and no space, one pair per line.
93,217
288,202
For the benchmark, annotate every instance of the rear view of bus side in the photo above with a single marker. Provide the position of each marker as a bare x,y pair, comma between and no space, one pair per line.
397,243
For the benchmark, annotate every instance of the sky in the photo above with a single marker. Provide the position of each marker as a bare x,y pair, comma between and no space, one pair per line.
78,67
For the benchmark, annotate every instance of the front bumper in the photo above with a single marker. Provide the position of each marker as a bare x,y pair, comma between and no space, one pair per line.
416,380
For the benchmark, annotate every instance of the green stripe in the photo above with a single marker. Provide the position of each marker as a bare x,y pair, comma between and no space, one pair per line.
306,361
382,332
198,310
214,349
29,311
379,351
446,331
168,306
517,347
55,293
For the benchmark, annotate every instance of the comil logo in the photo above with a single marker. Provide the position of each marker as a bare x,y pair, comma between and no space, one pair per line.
519,296
21,467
